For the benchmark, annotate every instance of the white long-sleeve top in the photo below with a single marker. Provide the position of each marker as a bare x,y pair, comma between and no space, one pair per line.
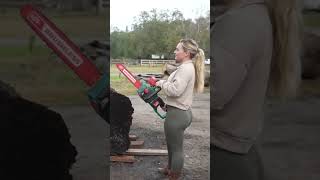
179,86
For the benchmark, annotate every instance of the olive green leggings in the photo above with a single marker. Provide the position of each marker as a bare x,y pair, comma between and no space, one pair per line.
176,122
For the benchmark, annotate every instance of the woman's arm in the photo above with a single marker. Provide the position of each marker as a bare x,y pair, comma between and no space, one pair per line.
178,84
234,48
228,75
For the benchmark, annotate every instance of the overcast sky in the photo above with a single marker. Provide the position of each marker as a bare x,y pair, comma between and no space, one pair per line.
122,12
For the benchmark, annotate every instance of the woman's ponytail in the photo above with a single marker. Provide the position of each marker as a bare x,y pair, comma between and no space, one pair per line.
199,69
285,75
197,55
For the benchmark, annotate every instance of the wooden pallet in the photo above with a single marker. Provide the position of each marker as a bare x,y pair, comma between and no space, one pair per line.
136,144
133,137
147,152
122,158
136,149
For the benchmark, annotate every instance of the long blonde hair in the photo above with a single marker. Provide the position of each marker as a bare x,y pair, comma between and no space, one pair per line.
285,74
197,55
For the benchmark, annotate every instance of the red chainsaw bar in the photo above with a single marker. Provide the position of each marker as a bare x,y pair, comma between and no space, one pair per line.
128,74
61,45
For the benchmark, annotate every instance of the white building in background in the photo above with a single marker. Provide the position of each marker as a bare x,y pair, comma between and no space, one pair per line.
155,56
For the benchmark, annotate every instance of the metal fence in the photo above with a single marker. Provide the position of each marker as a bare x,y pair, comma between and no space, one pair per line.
141,62
154,62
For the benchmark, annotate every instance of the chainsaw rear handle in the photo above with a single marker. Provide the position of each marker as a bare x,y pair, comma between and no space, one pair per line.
159,103
156,103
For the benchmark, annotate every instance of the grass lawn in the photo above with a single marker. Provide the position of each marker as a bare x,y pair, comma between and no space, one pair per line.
40,79
13,26
34,75
122,84
311,87
312,20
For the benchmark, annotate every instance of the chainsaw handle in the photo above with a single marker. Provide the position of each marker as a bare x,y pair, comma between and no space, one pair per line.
149,97
162,116
158,89
159,103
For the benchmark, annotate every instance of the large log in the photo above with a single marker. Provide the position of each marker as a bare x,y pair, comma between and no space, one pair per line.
35,141
311,56
121,111
118,111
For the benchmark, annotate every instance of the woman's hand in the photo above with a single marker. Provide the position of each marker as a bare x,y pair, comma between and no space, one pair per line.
152,81
160,82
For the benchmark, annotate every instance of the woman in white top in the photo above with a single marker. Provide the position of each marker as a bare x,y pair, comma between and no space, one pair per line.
256,50
179,88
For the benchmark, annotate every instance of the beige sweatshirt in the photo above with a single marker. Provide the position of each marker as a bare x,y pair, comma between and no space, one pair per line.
241,52
179,86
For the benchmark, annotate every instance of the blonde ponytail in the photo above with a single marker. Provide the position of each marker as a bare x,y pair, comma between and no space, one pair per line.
197,55
199,69
285,74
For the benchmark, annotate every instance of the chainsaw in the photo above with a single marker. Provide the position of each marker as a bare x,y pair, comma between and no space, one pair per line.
71,55
147,91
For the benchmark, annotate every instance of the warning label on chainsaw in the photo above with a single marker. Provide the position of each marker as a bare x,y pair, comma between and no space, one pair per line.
55,40
62,46
129,76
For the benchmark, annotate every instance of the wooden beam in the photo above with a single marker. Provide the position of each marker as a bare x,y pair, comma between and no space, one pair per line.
147,152
122,158
132,137
136,144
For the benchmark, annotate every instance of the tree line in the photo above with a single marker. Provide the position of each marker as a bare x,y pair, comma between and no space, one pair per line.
158,32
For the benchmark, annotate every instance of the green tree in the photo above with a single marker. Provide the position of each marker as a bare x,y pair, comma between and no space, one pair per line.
158,32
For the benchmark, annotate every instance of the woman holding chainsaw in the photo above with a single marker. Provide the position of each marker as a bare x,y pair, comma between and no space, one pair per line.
179,88
256,49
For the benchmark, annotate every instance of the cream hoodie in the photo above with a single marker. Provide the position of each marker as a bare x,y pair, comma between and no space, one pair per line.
179,86
241,50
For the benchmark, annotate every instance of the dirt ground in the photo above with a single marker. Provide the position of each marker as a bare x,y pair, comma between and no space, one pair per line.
291,140
89,134
290,143
148,127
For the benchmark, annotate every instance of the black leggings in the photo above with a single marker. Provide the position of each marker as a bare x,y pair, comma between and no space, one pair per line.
226,165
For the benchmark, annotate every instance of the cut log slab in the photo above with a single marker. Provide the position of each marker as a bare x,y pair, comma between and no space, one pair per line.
147,152
136,144
133,137
122,158
169,68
